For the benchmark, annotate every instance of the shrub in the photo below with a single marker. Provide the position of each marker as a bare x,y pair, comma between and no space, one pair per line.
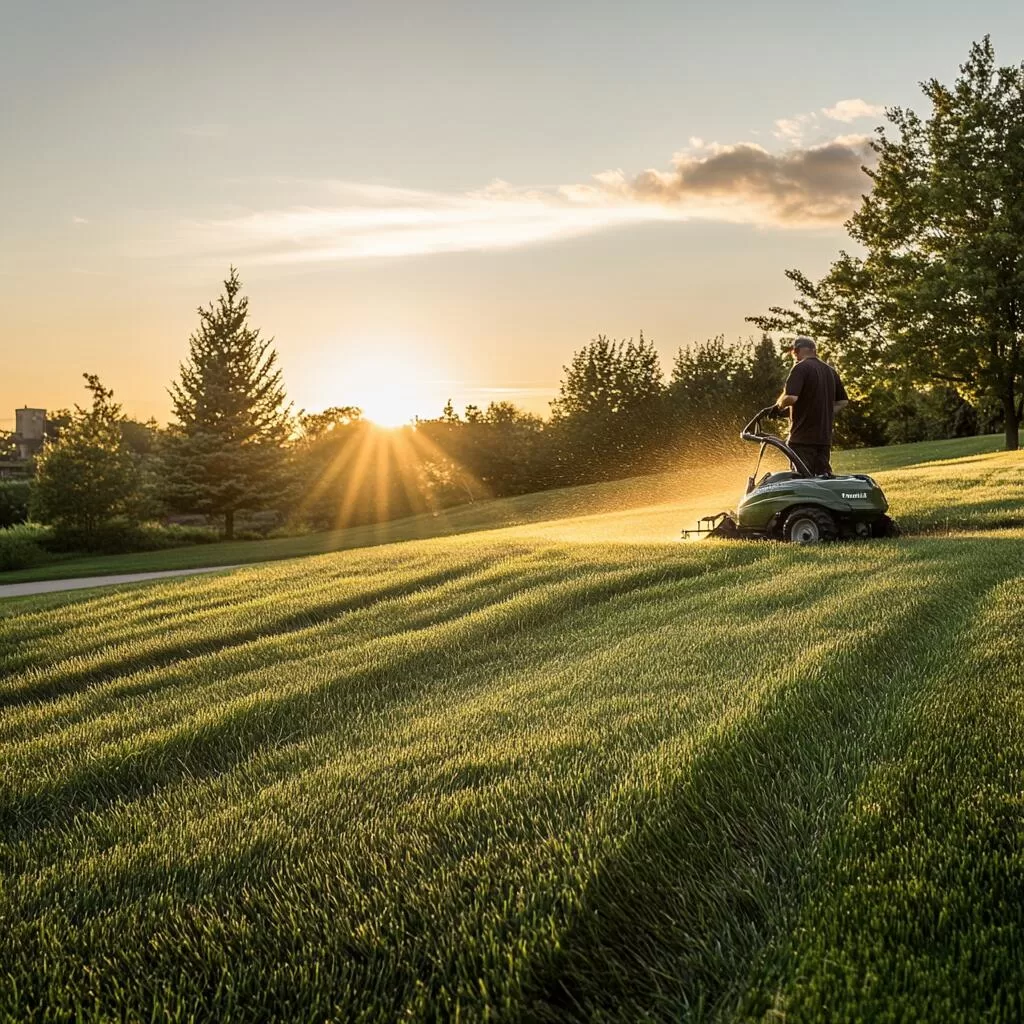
14,498
22,547
122,537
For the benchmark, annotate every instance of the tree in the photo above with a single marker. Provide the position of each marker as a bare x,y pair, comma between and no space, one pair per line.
317,425
56,421
704,389
140,437
225,453
938,295
88,475
606,420
762,375
609,377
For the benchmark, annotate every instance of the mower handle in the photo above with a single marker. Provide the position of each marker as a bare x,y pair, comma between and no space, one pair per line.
752,426
752,432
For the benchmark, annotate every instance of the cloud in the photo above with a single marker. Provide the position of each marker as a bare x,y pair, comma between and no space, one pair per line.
801,187
79,220
853,110
744,183
378,221
792,129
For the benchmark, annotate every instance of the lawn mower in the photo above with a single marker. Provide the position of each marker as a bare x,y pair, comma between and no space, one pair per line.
794,505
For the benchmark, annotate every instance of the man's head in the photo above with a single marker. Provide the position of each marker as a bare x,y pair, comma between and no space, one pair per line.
803,348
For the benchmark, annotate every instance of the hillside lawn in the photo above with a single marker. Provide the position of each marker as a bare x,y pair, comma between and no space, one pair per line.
695,490
564,771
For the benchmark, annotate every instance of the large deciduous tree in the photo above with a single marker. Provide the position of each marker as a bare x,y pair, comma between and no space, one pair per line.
938,294
225,452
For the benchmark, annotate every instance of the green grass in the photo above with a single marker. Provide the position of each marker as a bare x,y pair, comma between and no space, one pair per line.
519,775
723,475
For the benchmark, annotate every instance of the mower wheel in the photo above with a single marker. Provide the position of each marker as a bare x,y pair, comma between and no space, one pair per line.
809,525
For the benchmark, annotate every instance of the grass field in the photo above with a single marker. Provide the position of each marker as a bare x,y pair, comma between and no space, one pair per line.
691,492
556,772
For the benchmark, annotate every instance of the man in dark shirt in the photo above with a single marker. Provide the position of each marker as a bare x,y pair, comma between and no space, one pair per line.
815,394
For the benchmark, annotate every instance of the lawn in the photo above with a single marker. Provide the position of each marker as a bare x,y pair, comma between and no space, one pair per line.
695,490
522,775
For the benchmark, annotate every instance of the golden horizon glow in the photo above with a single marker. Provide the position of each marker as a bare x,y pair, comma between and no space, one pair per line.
390,384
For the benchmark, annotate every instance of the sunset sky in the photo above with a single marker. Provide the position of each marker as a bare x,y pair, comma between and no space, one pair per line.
428,200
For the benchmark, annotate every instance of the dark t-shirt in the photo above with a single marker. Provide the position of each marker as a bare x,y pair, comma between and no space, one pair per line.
817,388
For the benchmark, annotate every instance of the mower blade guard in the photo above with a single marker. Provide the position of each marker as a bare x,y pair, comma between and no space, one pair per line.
722,524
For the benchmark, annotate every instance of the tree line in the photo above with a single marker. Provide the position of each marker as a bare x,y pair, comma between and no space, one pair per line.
235,449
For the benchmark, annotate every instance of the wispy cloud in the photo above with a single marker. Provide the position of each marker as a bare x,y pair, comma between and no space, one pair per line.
378,221
792,129
853,110
802,186
796,129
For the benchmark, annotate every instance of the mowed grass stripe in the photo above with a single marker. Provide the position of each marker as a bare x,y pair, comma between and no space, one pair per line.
722,854
983,492
340,623
49,777
202,619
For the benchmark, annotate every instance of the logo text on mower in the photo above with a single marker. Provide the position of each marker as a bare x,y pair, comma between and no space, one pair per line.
856,494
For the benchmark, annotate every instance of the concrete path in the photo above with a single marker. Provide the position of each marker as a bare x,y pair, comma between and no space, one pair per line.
84,582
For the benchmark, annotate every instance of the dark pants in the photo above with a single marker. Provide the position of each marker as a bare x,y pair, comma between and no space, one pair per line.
815,457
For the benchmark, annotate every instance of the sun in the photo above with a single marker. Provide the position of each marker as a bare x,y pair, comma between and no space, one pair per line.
391,385
393,407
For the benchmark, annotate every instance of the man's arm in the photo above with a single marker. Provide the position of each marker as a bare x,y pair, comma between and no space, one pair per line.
841,396
785,401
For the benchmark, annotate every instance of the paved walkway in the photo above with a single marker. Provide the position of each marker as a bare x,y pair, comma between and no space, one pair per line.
84,582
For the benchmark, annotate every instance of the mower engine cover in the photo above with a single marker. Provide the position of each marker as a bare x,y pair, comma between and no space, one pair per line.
855,502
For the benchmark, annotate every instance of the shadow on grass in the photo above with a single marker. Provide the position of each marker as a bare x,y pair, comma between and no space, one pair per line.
721,859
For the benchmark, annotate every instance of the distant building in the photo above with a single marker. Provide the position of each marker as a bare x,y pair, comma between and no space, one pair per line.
29,431
29,434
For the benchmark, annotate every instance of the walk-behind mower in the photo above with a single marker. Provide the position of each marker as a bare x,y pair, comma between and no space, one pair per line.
795,505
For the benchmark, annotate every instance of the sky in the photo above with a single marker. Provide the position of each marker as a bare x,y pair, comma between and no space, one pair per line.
430,200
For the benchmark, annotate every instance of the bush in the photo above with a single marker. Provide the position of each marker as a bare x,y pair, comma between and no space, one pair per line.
14,498
22,547
122,537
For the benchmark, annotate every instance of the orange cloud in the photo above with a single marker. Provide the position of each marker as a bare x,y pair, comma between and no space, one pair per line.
813,186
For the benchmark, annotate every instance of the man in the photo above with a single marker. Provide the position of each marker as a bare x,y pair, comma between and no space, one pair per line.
815,394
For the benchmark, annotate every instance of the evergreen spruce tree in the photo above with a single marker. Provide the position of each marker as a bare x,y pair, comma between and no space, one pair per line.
225,453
